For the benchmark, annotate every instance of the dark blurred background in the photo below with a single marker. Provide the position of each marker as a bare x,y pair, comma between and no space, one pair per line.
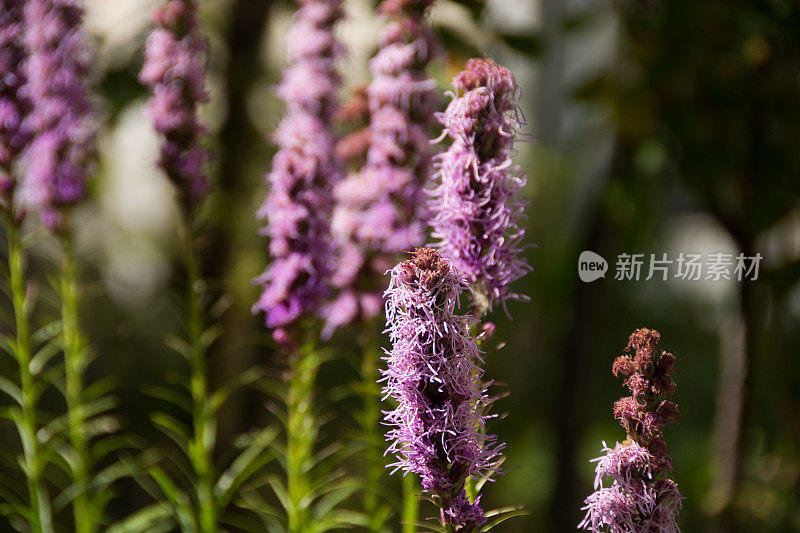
656,126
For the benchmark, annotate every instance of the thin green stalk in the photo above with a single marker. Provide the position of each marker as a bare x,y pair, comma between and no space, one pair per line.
301,433
475,331
471,487
41,521
410,503
75,363
370,430
201,449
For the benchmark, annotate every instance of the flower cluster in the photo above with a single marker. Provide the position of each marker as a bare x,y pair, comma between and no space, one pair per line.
641,497
635,501
12,107
380,211
304,169
433,375
174,70
61,119
475,204
649,375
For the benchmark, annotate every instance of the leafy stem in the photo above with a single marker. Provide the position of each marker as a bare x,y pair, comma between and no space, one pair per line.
40,516
301,433
201,448
75,363
410,503
369,420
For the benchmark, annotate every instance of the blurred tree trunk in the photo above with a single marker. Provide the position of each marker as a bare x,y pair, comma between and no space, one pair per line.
550,97
728,413
232,231
735,406
736,409
580,337
579,346
580,341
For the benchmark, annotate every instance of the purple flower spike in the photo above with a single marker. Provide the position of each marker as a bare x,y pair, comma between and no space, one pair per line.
304,169
380,209
434,376
476,203
642,496
12,107
174,70
60,121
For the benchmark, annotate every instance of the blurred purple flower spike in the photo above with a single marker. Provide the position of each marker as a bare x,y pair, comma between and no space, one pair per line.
299,202
61,122
380,210
174,70
13,107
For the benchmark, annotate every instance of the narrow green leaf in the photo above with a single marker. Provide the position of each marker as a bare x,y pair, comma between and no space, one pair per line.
335,497
210,335
338,519
9,345
67,496
482,481
246,378
280,491
101,425
42,357
114,444
169,395
7,493
271,517
47,332
136,469
173,429
90,410
180,346
11,389
427,526
14,414
101,388
109,475
245,465
181,508
11,509
501,515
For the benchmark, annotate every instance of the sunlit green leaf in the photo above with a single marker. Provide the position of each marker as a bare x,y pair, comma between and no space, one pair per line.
245,465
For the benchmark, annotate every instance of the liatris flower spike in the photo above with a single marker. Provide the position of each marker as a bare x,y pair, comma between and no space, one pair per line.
304,169
642,496
437,428
380,210
12,106
476,204
61,121
174,70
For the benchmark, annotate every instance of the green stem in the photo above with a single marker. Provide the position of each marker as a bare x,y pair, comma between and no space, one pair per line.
75,362
201,448
301,433
410,503
41,520
471,488
370,429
